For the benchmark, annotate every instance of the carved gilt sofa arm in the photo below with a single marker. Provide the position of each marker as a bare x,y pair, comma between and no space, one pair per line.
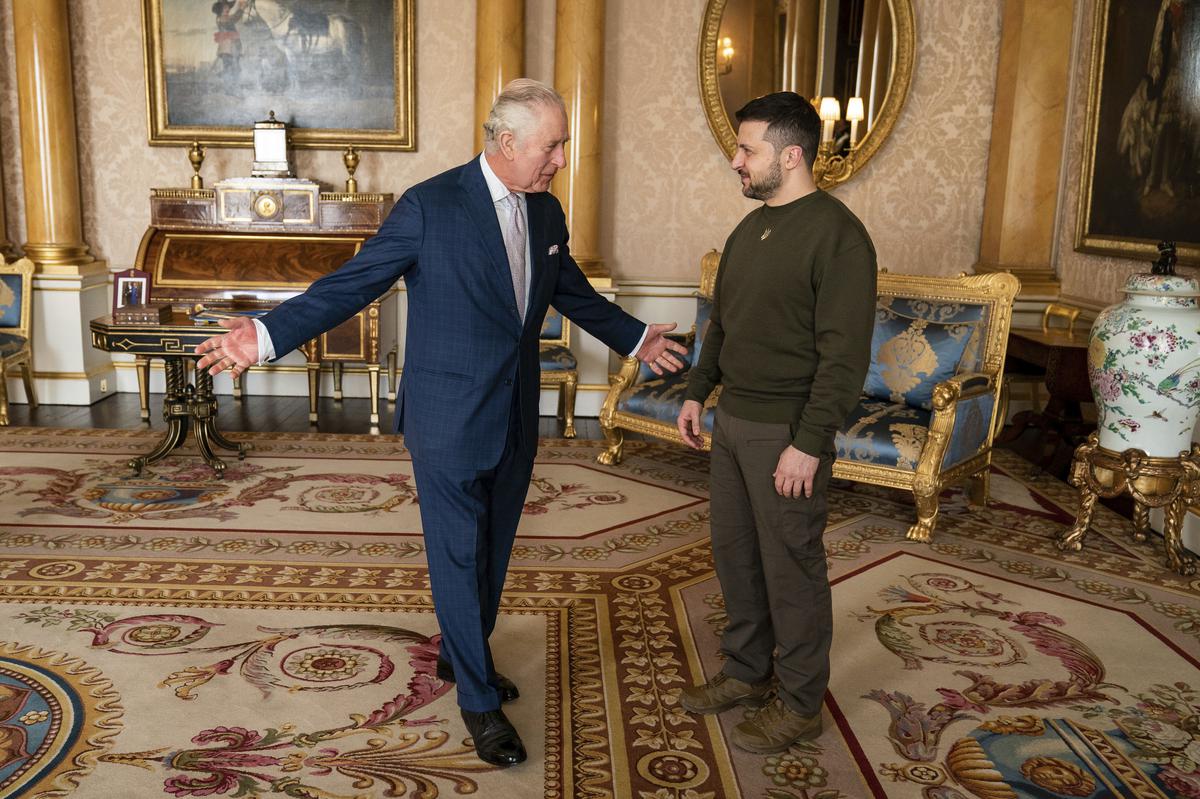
963,421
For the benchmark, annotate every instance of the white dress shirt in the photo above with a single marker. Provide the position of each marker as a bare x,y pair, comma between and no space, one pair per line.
499,191
266,349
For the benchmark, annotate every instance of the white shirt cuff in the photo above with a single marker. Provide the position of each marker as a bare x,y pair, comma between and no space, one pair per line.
266,349
641,341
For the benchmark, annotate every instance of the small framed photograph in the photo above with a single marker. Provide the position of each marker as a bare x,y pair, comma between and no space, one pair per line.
131,287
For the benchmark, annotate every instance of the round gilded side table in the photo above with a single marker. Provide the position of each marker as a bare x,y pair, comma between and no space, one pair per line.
1172,483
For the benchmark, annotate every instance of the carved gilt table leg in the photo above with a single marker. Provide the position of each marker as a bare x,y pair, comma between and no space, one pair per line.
1141,521
1072,539
1178,559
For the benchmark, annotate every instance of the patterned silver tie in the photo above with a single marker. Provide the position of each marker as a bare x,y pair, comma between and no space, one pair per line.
514,242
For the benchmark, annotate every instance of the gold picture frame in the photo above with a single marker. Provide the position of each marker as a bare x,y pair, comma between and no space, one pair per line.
1139,171
213,68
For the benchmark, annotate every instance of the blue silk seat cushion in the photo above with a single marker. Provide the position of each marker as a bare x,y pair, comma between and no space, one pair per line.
661,399
557,358
910,356
883,433
10,344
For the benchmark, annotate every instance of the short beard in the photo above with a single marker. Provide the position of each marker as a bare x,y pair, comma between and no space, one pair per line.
766,187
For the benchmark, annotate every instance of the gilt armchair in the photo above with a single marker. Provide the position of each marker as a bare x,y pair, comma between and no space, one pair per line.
929,409
640,401
16,303
559,366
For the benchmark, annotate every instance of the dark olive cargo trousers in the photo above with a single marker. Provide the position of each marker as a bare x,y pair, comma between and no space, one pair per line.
770,560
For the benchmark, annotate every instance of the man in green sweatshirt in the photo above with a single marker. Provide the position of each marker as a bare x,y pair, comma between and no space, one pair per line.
789,341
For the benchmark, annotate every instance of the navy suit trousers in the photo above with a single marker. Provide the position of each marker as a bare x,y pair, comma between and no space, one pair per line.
469,518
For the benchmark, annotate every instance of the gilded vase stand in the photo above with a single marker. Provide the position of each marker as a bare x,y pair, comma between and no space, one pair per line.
1153,482
185,405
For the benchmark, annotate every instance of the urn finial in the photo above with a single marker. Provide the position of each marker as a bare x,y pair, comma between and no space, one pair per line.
1165,265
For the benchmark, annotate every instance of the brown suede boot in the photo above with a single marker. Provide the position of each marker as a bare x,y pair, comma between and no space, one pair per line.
723,692
774,728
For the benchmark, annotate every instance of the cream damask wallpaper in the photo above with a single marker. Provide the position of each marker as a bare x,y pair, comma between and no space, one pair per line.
668,194
10,166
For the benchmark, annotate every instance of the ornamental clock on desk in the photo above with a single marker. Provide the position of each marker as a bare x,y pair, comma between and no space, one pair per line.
267,205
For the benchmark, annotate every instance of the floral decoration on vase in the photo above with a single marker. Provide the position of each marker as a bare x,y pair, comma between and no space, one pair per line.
1144,363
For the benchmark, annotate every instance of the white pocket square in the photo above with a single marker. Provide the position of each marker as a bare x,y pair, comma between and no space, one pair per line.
553,250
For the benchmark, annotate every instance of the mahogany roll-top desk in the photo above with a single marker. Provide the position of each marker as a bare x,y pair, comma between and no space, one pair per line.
251,244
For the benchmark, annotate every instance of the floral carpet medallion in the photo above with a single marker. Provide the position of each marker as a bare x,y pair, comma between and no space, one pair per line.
271,635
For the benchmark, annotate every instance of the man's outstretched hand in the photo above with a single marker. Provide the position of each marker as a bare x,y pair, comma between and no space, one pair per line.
235,351
656,350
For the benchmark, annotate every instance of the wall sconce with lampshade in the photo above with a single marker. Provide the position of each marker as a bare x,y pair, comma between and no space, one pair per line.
830,112
854,115
725,56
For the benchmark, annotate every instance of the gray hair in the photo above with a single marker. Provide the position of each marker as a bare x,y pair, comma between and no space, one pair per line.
513,110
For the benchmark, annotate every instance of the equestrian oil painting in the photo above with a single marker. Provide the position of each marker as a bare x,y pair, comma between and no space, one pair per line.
338,71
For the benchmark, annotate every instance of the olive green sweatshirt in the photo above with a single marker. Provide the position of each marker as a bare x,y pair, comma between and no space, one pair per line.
793,311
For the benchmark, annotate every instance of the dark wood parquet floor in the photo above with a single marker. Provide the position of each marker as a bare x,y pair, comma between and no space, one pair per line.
278,414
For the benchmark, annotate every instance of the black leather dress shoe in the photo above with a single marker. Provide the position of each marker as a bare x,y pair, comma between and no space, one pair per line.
496,740
508,689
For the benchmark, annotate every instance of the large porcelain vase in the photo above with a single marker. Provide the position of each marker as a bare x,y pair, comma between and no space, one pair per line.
1144,366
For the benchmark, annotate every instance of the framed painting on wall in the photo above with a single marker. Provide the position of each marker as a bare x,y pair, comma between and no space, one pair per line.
1141,156
338,72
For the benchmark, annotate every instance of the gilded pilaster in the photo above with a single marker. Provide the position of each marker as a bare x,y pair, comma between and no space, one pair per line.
1028,129
579,77
49,155
499,53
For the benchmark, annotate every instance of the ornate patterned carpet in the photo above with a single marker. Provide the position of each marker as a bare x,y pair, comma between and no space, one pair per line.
271,635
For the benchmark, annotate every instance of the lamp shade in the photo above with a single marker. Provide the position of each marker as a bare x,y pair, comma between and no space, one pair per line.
831,109
854,109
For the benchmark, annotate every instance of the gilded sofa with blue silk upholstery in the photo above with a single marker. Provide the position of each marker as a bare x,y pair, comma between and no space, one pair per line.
644,402
16,329
928,413
559,366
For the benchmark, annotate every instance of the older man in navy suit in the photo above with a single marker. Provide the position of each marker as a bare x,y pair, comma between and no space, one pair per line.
483,252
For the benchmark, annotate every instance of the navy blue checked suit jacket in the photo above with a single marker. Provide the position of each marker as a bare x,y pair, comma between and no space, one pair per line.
466,350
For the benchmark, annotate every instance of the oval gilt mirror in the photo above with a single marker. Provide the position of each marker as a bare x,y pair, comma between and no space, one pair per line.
853,58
